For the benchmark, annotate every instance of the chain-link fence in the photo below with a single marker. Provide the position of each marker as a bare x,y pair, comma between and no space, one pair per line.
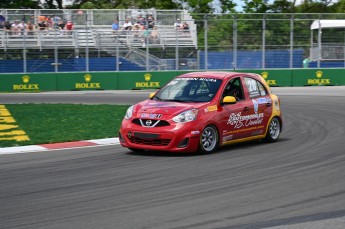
155,41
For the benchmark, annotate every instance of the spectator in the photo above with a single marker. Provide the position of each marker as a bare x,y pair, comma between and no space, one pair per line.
306,62
150,21
61,26
55,21
69,27
30,28
177,24
49,23
185,28
7,26
140,20
127,25
16,28
146,35
2,20
115,26
136,32
154,36
42,26
41,18
22,27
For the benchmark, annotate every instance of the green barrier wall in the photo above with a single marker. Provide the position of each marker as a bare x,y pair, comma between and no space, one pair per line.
87,81
318,77
274,78
145,80
154,80
27,82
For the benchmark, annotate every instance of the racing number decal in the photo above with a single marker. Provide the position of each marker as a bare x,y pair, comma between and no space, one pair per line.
252,86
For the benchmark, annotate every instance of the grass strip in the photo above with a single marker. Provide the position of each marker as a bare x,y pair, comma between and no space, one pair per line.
51,123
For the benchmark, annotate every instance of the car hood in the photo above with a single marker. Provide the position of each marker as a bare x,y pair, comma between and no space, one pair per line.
152,109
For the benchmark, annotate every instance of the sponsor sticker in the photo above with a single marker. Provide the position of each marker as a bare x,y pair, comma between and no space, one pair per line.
151,116
238,121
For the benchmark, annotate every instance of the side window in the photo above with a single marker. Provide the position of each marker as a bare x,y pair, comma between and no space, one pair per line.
234,88
262,89
255,88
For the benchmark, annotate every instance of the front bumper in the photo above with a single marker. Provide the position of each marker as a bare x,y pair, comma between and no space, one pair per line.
179,137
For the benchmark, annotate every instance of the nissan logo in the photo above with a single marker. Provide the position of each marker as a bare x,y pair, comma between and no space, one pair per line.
148,122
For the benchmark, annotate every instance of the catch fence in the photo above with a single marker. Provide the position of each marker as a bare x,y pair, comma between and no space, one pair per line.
211,42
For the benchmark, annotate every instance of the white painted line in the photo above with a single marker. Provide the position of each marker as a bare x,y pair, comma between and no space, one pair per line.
37,148
106,141
21,149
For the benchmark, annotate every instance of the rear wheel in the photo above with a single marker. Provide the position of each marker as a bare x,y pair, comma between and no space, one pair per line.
209,139
274,130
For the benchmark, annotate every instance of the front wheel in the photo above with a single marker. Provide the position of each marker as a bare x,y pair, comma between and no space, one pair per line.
209,139
274,130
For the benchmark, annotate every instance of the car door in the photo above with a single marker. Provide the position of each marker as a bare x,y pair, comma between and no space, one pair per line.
260,107
233,126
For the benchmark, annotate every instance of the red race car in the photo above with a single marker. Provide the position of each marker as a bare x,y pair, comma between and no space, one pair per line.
201,111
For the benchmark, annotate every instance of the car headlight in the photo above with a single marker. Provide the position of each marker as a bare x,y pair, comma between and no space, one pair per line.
129,112
186,116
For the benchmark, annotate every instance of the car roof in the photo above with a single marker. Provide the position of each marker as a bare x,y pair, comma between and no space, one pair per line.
216,75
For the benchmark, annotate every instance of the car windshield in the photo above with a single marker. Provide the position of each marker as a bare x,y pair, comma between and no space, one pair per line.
189,90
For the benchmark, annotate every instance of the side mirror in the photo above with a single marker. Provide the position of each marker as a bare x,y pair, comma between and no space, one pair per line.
229,100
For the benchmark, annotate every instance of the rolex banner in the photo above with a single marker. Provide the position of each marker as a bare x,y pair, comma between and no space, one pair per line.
27,82
274,78
35,82
318,77
146,80
86,81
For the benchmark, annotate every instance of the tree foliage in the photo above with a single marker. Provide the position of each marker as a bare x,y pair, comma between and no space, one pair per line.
194,6
221,15
255,6
19,4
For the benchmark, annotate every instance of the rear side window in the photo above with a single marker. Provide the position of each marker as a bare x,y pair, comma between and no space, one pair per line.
255,88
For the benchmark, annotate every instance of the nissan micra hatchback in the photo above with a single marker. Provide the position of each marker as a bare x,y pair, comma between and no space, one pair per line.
201,111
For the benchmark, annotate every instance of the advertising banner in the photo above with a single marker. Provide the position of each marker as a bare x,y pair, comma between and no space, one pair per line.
145,80
318,77
27,82
36,82
86,81
274,78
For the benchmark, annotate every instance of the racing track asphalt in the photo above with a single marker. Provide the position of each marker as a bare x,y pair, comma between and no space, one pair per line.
294,183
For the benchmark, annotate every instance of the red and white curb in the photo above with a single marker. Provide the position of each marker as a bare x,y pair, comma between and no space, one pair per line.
57,146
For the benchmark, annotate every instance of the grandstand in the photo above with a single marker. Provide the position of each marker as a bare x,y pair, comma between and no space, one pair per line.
93,33
229,41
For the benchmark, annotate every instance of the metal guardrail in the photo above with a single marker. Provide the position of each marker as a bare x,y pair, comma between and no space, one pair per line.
37,40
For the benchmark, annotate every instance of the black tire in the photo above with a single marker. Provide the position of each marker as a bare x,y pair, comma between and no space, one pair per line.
209,139
273,130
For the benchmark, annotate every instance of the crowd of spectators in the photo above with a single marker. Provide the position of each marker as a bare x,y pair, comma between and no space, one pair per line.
44,25
144,29
178,25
